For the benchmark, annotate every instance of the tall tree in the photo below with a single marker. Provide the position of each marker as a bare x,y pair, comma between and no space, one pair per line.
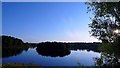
106,19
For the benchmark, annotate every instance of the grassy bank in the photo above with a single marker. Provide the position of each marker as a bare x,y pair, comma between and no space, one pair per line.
18,65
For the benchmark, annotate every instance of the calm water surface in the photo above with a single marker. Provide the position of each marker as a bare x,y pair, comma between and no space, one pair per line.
73,59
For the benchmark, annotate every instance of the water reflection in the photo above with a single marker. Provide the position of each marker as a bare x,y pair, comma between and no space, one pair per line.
51,49
8,52
75,53
31,56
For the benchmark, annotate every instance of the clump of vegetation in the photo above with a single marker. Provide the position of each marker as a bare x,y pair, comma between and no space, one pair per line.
110,48
53,49
53,45
13,46
12,42
17,65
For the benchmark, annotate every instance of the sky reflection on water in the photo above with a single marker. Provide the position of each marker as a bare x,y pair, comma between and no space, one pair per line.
76,56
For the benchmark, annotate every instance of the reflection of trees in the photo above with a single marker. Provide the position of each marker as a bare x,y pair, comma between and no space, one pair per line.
6,52
52,49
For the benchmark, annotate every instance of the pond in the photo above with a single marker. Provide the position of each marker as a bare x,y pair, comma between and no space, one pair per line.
69,58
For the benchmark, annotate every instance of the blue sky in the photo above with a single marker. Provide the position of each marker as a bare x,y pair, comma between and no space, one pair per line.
47,21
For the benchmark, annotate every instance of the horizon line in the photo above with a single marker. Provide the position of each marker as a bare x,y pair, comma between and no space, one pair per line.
53,40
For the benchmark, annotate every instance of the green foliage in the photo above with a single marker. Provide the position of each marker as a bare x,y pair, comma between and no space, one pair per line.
106,19
117,41
105,9
106,61
110,48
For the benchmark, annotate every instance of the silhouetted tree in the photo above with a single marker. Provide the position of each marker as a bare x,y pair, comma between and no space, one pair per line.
106,20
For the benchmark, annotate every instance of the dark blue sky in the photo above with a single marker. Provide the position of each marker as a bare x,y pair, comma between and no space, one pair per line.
47,21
